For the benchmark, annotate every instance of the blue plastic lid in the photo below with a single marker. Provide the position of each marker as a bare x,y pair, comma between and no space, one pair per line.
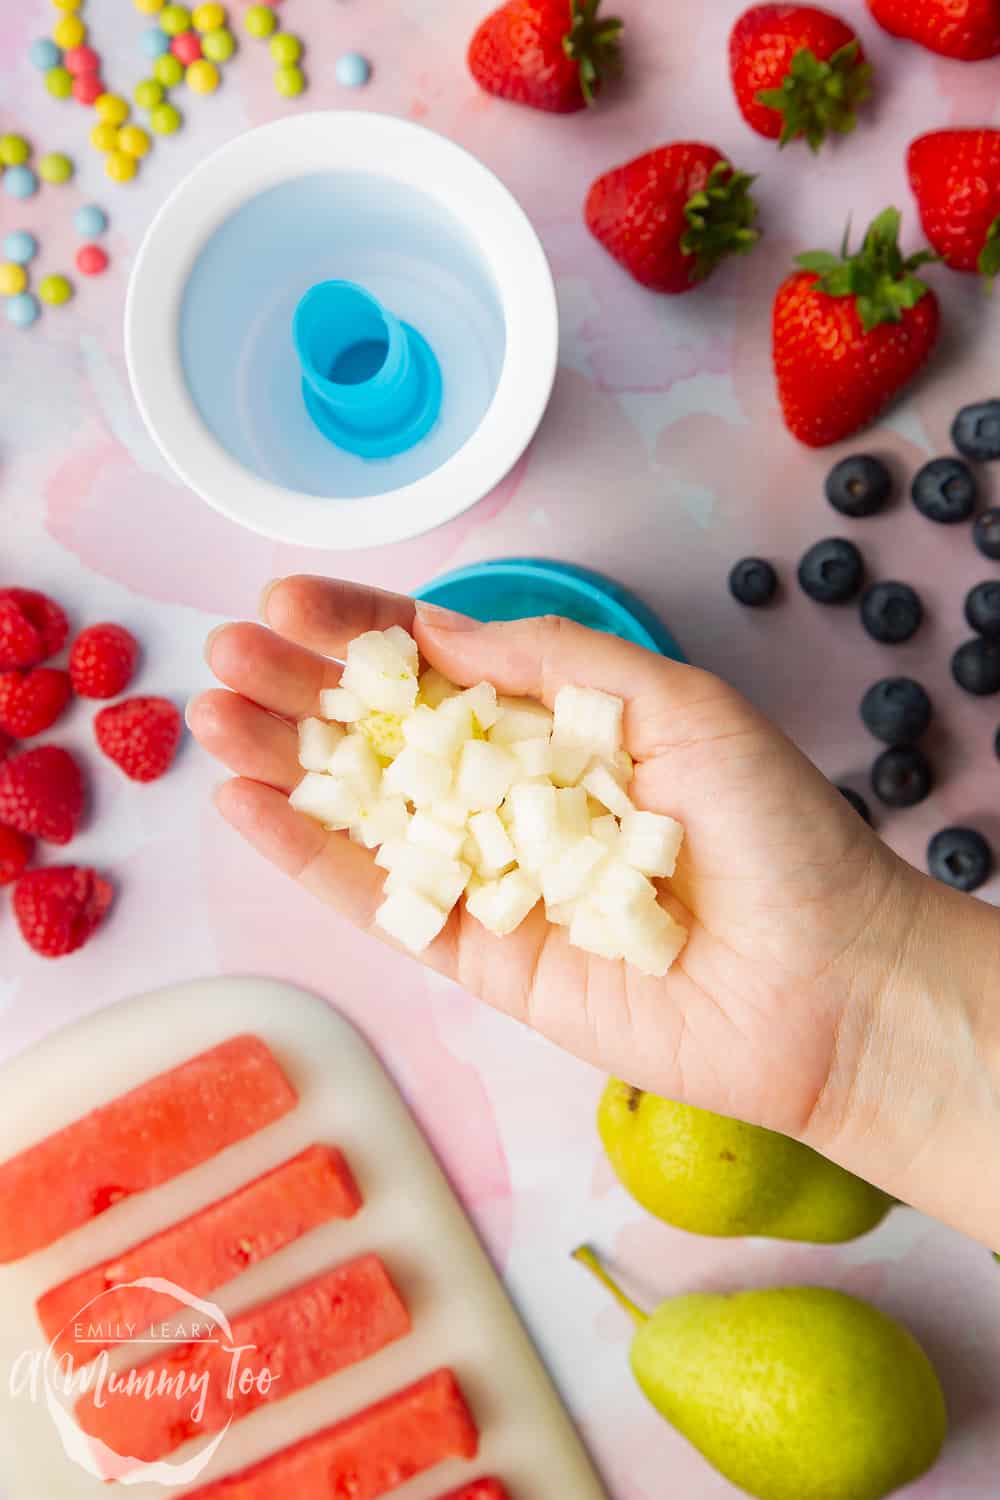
517,588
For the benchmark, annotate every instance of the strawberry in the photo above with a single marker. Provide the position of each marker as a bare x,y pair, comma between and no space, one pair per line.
15,852
44,615
41,792
140,735
849,332
550,54
58,908
797,71
671,215
955,176
102,661
32,701
966,29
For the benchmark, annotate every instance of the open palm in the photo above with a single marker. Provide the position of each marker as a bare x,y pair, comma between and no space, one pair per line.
779,880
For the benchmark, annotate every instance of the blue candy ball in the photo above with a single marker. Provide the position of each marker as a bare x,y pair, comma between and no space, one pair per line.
353,70
22,310
154,42
44,54
90,221
20,182
20,247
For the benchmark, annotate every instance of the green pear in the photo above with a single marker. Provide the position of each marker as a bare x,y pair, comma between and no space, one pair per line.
712,1175
798,1393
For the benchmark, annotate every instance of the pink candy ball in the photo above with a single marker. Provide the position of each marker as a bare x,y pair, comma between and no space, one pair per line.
81,60
186,47
91,260
87,87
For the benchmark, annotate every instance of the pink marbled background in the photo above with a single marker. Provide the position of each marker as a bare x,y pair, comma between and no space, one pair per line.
667,407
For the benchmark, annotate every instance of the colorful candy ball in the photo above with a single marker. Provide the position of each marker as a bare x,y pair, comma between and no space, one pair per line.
55,168
148,7
80,60
187,47
91,260
104,137
70,5
219,45
120,167
260,21
168,70
59,82
14,150
44,54
20,247
13,278
289,81
112,109
285,48
89,221
69,32
154,42
20,182
202,77
87,88
148,93
22,311
134,141
174,19
55,290
352,70
165,119
208,17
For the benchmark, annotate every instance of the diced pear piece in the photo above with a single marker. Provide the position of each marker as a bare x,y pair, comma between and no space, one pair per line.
379,674
482,700
435,688
622,766
341,705
534,757
502,905
331,800
651,940
436,731
381,822
568,762
440,879
621,889
450,810
417,776
567,877
384,732
592,931
520,719
411,919
601,783
494,850
571,810
485,773
562,914
589,719
425,830
356,761
650,841
534,814
606,829
317,742
405,645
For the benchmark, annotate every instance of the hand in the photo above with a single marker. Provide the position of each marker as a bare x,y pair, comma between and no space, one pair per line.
792,902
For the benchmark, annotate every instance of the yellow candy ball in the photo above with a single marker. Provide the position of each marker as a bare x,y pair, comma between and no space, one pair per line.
13,279
260,21
148,7
165,119
104,137
67,4
208,17
55,290
69,32
168,70
202,76
14,150
120,167
134,141
111,109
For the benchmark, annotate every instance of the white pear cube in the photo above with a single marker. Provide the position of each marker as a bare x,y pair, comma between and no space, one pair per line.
417,776
494,850
384,732
569,876
341,705
381,822
651,940
317,742
534,816
485,773
588,718
592,931
568,763
482,700
534,757
502,905
651,842
450,810
425,830
440,879
356,761
571,810
331,800
435,688
605,788
562,914
606,829
622,767
620,889
404,643
379,675
435,731
411,919
520,719
390,851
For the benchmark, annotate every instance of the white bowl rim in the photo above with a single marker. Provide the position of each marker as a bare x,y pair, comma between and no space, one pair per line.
297,146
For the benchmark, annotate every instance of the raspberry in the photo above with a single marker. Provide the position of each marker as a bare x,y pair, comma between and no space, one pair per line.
59,907
45,615
15,852
20,643
102,661
140,735
6,744
41,792
31,701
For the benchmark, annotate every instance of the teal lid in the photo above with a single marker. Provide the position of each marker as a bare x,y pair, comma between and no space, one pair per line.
517,588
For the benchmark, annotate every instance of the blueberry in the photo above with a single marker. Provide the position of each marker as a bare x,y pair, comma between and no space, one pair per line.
986,533
976,666
960,857
976,430
982,609
891,612
945,490
859,485
896,710
902,776
857,802
832,571
753,581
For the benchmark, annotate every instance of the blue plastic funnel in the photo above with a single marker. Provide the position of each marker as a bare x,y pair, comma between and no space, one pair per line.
371,383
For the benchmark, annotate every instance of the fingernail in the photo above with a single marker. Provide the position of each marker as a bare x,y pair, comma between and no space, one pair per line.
210,642
265,596
187,710
444,619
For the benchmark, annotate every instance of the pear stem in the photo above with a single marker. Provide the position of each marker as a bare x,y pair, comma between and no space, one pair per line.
594,1265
